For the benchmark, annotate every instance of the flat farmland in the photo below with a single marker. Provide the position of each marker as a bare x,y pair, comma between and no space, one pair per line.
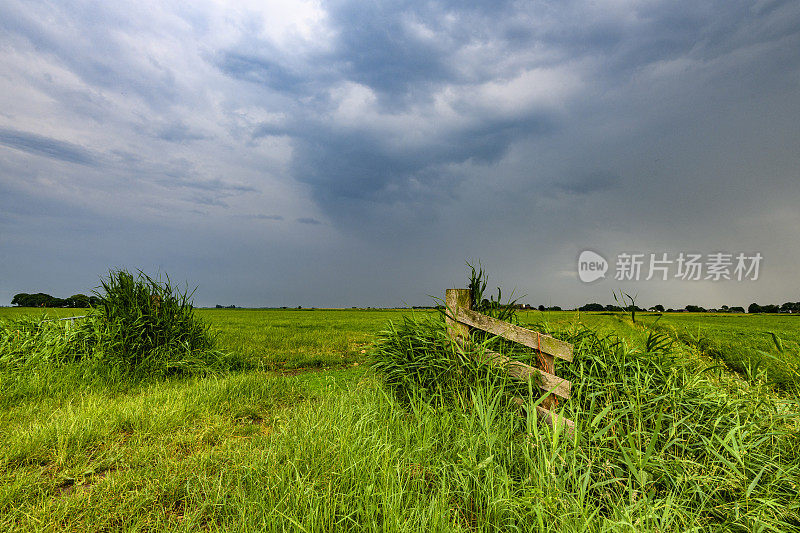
304,436
297,338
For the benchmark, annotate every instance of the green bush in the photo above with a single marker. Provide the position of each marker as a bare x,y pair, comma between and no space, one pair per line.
418,359
141,326
144,322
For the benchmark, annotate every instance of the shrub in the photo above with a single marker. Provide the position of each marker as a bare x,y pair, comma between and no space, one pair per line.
417,358
141,318
140,326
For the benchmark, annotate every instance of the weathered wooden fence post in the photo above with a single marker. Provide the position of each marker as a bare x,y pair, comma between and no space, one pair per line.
547,364
454,300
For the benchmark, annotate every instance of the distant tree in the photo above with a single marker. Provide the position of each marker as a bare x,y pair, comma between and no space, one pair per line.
790,307
754,308
78,301
20,299
659,308
737,309
591,307
41,299
541,308
695,309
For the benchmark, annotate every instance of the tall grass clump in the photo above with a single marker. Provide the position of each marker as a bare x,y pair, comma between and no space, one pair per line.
142,327
417,359
144,323
478,280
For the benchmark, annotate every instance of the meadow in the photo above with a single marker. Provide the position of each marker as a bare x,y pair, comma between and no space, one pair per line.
749,344
275,339
302,435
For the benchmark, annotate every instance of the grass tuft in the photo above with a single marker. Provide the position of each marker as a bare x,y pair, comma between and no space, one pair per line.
142,328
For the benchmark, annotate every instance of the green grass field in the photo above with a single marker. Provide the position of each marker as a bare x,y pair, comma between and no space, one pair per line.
292,338
306,438
746,343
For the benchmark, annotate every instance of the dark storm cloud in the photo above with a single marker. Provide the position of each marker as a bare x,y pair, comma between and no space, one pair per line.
380,52
404,49
341,166
46,147
406,52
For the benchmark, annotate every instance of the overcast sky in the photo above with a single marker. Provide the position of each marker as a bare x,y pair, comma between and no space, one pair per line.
358,153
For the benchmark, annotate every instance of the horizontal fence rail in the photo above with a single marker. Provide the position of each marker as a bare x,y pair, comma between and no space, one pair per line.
532,339
459,317
70,318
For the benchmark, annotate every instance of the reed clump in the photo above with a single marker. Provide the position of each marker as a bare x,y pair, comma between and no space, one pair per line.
142,326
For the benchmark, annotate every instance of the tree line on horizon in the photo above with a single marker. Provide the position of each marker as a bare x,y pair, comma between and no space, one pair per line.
41,299
788,307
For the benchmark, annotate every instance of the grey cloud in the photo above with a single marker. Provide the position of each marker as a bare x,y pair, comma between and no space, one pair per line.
588,183
212,192
378,51
178,132
212,185
209,200
342,166
260,217
46,147
75,43
259,70
309,220
384,45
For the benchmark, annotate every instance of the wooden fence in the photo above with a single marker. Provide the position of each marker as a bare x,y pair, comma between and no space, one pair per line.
460,317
